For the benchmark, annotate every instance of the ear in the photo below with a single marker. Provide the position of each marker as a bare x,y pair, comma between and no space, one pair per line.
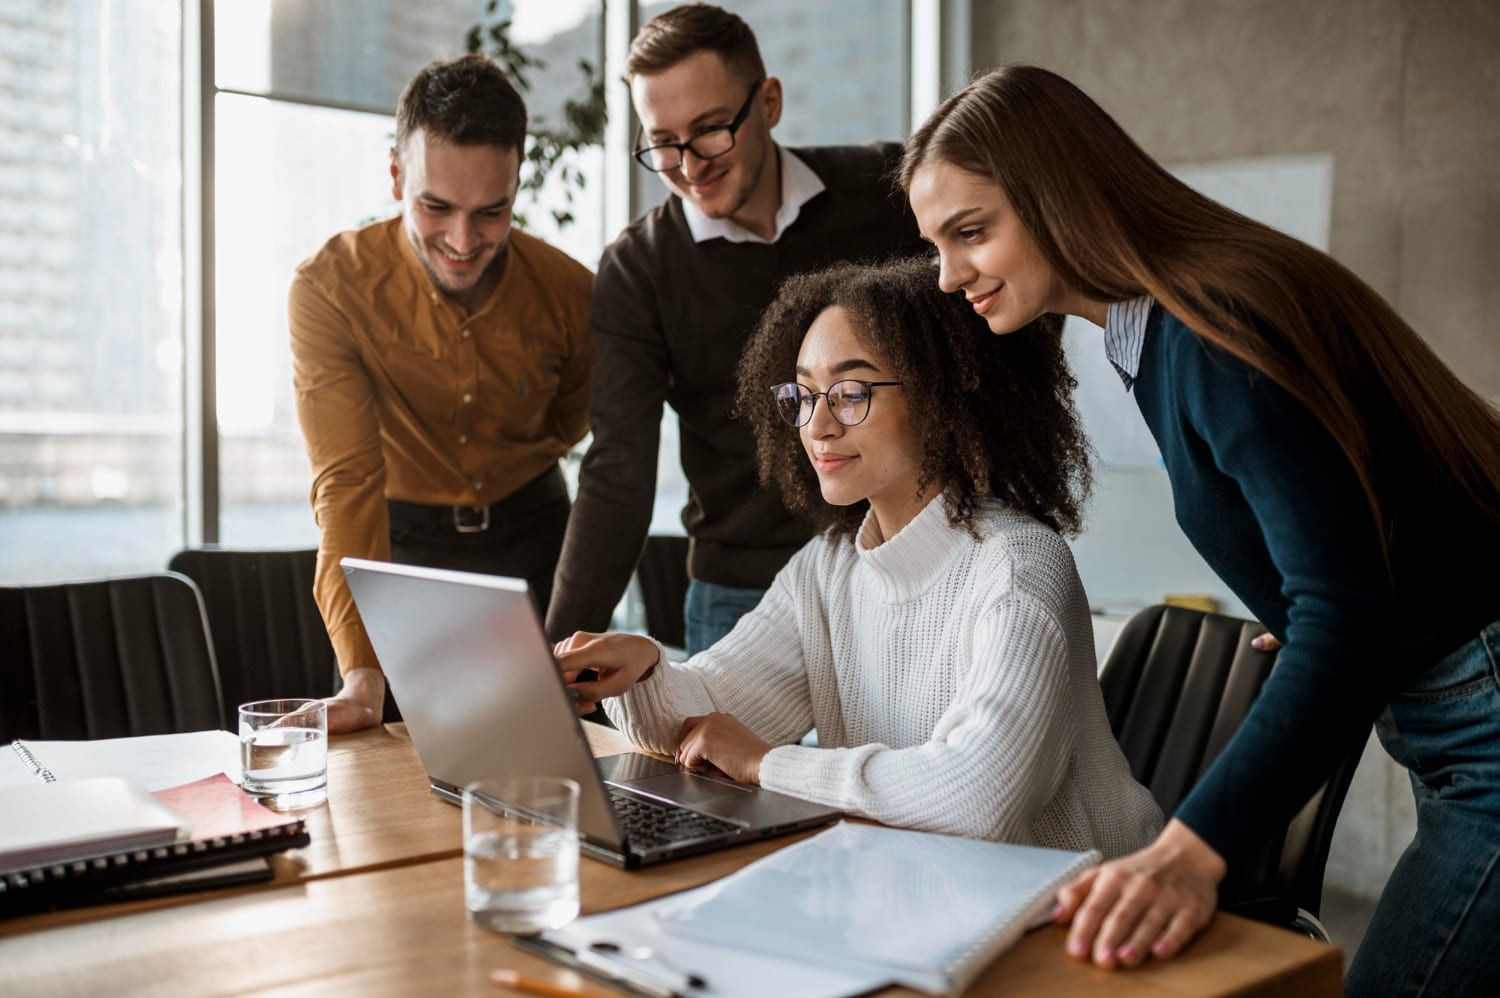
770,98
395,173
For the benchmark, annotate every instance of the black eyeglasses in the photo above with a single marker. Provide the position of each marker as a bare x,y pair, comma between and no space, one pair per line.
848,400
707,144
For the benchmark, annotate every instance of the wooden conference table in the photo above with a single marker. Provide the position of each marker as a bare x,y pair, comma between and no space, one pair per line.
375,905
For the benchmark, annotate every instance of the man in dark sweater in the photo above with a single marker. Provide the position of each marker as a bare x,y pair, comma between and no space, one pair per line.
677,296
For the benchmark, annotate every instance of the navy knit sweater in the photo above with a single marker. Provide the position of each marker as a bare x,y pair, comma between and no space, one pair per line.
1272,504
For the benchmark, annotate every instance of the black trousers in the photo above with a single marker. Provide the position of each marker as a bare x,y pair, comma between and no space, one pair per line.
523,540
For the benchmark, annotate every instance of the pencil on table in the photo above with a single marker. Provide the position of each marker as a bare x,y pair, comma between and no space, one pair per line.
517,981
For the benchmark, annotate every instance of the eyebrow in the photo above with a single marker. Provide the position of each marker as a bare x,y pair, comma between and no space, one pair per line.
955,218
429,196
843,366
696,124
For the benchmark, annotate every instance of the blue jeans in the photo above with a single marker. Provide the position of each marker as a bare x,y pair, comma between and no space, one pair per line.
1433,932
711,611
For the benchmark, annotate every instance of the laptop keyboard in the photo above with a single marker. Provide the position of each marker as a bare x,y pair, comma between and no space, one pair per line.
648,824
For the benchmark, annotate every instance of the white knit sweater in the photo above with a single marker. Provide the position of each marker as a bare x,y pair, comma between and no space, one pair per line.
951,681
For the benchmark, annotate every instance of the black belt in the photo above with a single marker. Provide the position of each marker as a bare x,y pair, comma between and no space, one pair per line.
546,490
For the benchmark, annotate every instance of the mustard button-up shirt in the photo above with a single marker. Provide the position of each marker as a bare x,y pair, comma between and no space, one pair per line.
403,394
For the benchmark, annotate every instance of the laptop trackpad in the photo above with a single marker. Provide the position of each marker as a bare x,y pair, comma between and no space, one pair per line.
685,788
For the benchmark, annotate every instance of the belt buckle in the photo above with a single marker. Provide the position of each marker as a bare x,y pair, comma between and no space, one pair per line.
470,526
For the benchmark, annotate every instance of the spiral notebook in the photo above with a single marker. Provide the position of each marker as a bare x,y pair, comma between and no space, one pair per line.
861,905
229,835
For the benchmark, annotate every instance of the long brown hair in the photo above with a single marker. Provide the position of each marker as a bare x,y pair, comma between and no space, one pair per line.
1114,225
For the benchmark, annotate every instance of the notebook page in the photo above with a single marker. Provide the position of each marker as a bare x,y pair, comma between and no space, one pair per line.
156,762
929,908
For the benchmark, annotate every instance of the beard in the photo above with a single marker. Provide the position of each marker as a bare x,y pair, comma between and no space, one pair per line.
424,252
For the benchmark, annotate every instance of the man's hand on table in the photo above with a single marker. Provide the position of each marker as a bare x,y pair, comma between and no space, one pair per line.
359,704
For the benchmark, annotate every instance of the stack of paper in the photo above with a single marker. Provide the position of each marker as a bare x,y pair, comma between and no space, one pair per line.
52,822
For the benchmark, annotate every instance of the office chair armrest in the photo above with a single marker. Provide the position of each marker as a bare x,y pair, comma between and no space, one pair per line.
1281,913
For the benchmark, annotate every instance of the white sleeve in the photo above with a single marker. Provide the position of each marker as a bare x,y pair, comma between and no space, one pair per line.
996,756
756,673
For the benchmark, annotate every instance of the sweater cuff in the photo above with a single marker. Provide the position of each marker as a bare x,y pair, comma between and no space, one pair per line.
800,771
651,712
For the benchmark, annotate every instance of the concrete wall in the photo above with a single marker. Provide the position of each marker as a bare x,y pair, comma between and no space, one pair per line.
1406,98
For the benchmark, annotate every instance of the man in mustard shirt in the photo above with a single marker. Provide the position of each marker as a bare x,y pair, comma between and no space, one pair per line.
441,364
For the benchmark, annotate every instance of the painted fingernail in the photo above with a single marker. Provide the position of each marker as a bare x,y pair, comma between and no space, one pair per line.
1125,953
1159,947
1077,947
1056,910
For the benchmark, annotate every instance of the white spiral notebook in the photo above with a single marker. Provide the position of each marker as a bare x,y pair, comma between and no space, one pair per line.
872,905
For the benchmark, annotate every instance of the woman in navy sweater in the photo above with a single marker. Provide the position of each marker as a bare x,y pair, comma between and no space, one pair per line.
1333,472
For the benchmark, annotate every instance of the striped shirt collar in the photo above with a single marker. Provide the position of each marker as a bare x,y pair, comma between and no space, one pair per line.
1125,334
799,185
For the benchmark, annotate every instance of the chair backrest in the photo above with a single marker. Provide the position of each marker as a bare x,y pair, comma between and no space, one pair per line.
662,573
106,659
1176,685
268,633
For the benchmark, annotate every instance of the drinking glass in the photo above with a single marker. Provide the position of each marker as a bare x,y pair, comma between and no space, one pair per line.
521,853
284,751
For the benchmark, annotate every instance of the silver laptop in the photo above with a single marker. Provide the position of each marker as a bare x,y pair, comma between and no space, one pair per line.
483,698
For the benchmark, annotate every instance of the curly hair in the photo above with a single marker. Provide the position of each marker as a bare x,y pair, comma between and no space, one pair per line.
993,415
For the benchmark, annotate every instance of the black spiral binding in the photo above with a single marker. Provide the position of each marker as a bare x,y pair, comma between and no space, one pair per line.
94,879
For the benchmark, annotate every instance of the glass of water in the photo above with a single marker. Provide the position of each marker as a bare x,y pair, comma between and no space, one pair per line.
284,751
521,853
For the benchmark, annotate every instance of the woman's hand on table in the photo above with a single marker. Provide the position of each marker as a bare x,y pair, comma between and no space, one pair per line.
720,742
1152,902
618,662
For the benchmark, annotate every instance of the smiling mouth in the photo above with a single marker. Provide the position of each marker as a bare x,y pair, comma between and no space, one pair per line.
459,261
982,303
832,462
701,186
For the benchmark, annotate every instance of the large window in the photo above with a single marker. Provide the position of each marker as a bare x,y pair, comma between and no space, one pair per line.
91,289
287,177
98,378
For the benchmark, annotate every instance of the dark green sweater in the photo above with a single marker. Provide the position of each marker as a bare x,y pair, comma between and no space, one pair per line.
1267,497
670,320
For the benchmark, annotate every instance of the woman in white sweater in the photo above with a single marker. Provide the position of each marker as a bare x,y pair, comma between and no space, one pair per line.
935,634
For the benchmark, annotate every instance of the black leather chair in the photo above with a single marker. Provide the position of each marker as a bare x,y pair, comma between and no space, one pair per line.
106,659
663,578
268,633
1176,685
